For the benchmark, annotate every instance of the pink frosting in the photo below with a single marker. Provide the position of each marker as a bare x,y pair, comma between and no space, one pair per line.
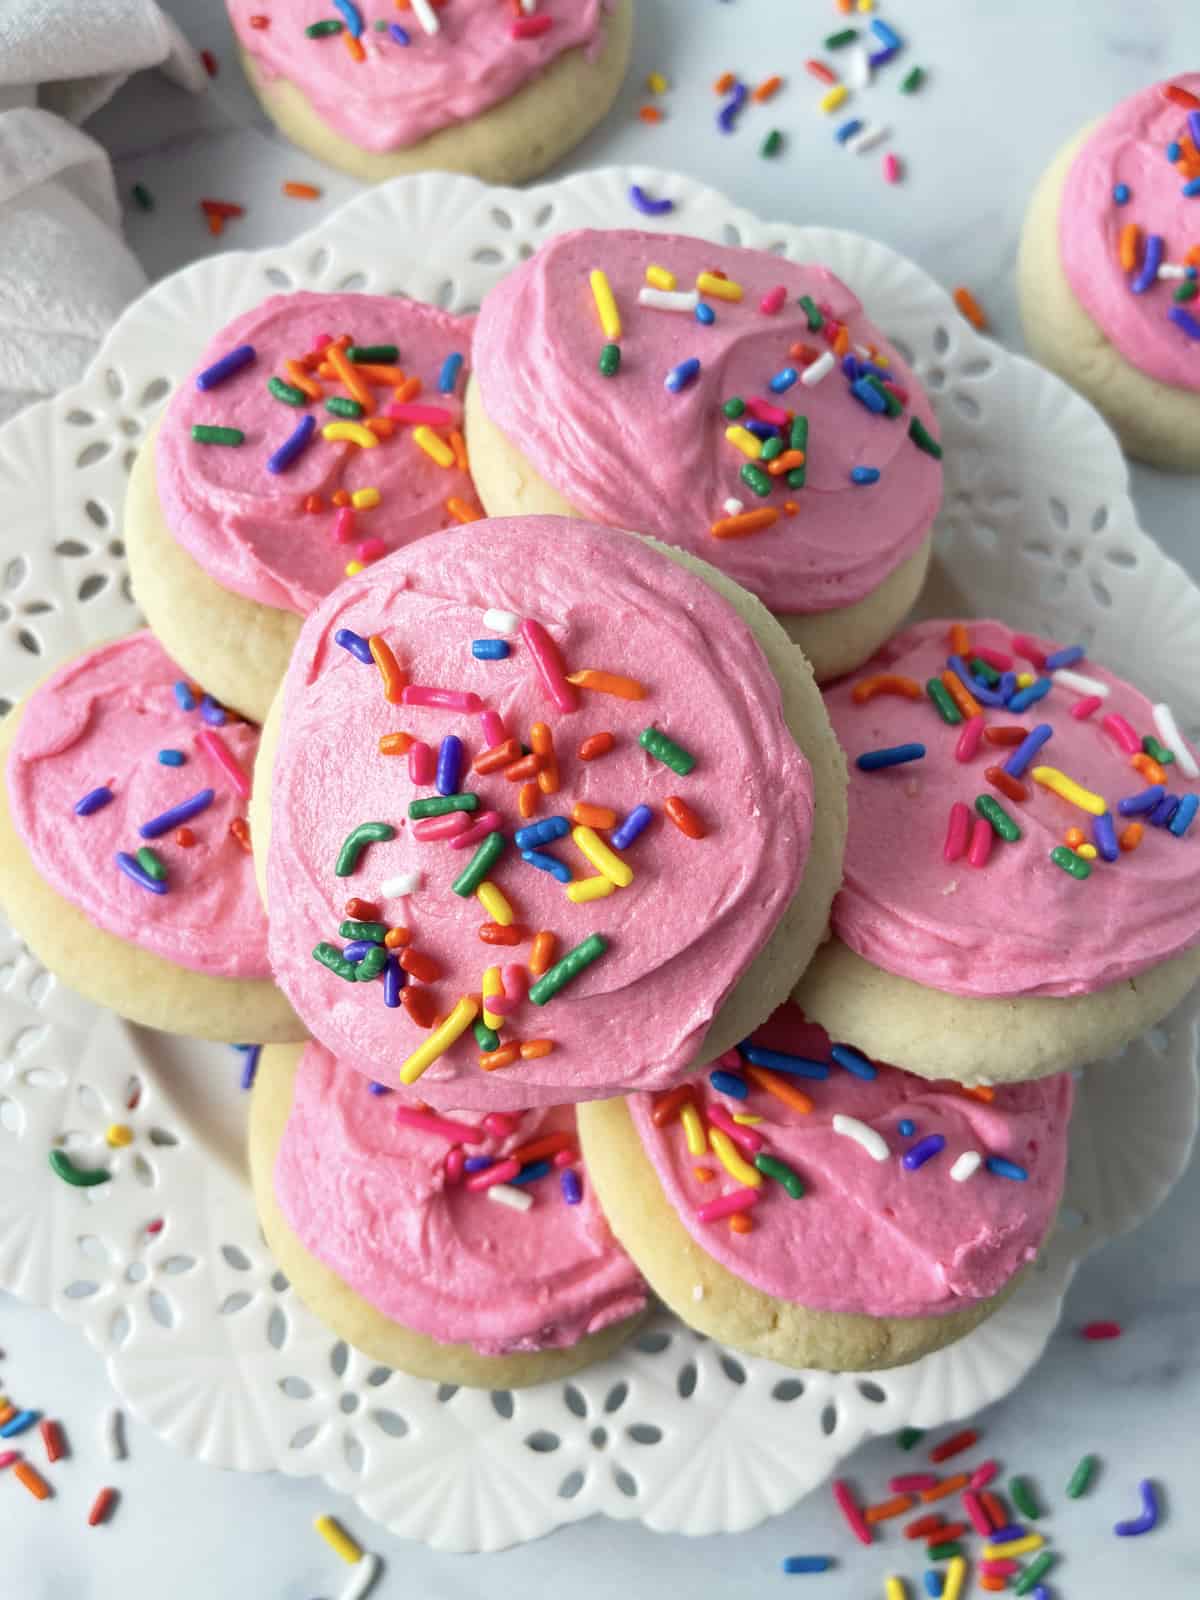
1130,147
697,911
627,451
1020,925
371,1199
101,721
870,1236
401,93
248,527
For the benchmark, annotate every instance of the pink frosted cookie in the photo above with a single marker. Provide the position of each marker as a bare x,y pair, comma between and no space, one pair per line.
316,433
460,1248
639,888
385,87
1022,888
126,852
856,1216
1108,269
731,402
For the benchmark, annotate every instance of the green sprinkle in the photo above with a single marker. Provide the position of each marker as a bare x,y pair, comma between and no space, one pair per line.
203,434
152,864
486,1038
913,81
381,24
1157,752
984,669
772,448
1079,1480
610,360
1022,1498
1034,1572
78,1177
734,407
944,1552
795,478
322,30
330,956
143,196
812,311
908,1437
386,354
372,964
782,1173
569,968
481,863
440,805
1070,862
375,931
1185,291
355,843
798,437
667,751
923,439
755,478
342,407
1002,823
771,144
287,392
835,41
894,408
947,710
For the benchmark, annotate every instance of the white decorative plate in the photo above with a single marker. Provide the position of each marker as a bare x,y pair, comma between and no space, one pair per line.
202,1335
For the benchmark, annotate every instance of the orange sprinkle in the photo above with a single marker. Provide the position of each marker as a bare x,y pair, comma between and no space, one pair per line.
992,1582
724,83
979,1091
960,694
500,755
340,497
608,683
216,223
739,1222
459,445
184,838
389,668
493,1060
462,510
889,1508
1131,836
885,683
408,390
1148,767
703,1174
347,374
684,818
745,523
527,800
970,308
32,1479
533,1049
541,741
589,816
1075,837
379,372
1128,245
668,1106
524,767
541,952
948,1486
396,938
297,374
1192,259
420,1005
302,191
354,46
768,88
395,744
790,508
595,746
313,502
960,639
774,1083
650,114
240,829
841,343
785,462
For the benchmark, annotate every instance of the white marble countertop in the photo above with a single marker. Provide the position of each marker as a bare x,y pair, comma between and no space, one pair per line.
1006,85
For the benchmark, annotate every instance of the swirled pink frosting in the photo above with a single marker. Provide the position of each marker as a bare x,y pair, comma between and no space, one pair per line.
697,911
371,1199
870,1236
1130,147
400,93
1020,925
248,527
627,451
101,721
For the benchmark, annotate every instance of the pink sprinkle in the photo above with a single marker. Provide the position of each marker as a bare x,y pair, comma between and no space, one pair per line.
913,1482
998,1569
563,1158
494,731
1030,649
500,1173
745,1138
973,1506
983,1475
728,1204
956,831
1082,709
968,739
211,742
156,1226
892,171
729,1062
422,763
501,1005
531,27
1116,725
516,981
343,525
831,329
763,411
371,550
981,842
773,301
846,1505
320,342
447,827
501,1124
428,1122
8,1457
999,659
453,1165
479,829
416,694
548,661
1101,1330
435,416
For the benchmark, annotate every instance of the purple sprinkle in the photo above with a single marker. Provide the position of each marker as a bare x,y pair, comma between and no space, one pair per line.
1104,836
357,949
449,764
398,34
292,446
184,812
880,58
132,868
633,824
212,713
729,111
378,1088
93,800
225,367
478,1163
1164,811
1006,1535
572,1189
1193,122
1149,1517
762,430
1134,804
647,205
1147,276
355,644
250,1055
1066,657
924,1150
394,979
1185,320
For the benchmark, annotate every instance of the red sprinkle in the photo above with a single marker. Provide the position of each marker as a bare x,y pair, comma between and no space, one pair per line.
210,63
995,1508
922,1526
595,746
684,818
259,21
1101,1330
53,1440
362,910
912,1482
532,27
222,208
848,1508
102,1507
820,71
954,1446
1181,96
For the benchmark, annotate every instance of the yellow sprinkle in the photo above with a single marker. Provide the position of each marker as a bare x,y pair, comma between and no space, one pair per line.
606,305
726,1153
1024,679
440,1040
742,439
585,889
1014,1548
119,1135
353,568
491,898
425,438
353,431
492,984
866,5
718,288
656,83
746,1120
894,1589
956,1572
660,278
835,97
1067,789
1087,851
693,1131
338,1540
604,860
365,499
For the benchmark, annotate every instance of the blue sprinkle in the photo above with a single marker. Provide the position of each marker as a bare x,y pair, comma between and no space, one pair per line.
633,824
1121,194
357,949
1104,836
250,1054
132,868
1007,686
171,758
761,430
1008,1534
705,314
478,1163
1182,820
853,1061
868,395
1147,277
1192,187
378,1088
448,377
781,1061
907,1128
1191,273
783,380
1185,320
1193,122
895,756
686,372
865,475
1066,657
983,692
19,1423
806,1563
184,812
1024,698
398,34
543,832
886,36
296,441
449,764
93,800
646,204
848,129
1133,805
1164,812
1124,1530
184,697
729,1083
356,644
490,649
353,16
531,1173
728,112
546,863
572,1189
212,713
226,367
924,1150
933,1583
1029,746
1005,1169
1174,150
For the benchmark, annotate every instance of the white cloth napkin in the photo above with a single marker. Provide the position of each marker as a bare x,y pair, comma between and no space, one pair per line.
65,271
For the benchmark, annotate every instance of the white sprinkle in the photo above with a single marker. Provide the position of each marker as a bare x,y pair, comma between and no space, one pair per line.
403,883
858,68
967,1165
820,368
505,1195
874,133
1080,683
528,7
669,299
697,1291
1168,732
1170,270
951,887
873,1143
733,508
426,15
366,1568
113,1434
501,621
